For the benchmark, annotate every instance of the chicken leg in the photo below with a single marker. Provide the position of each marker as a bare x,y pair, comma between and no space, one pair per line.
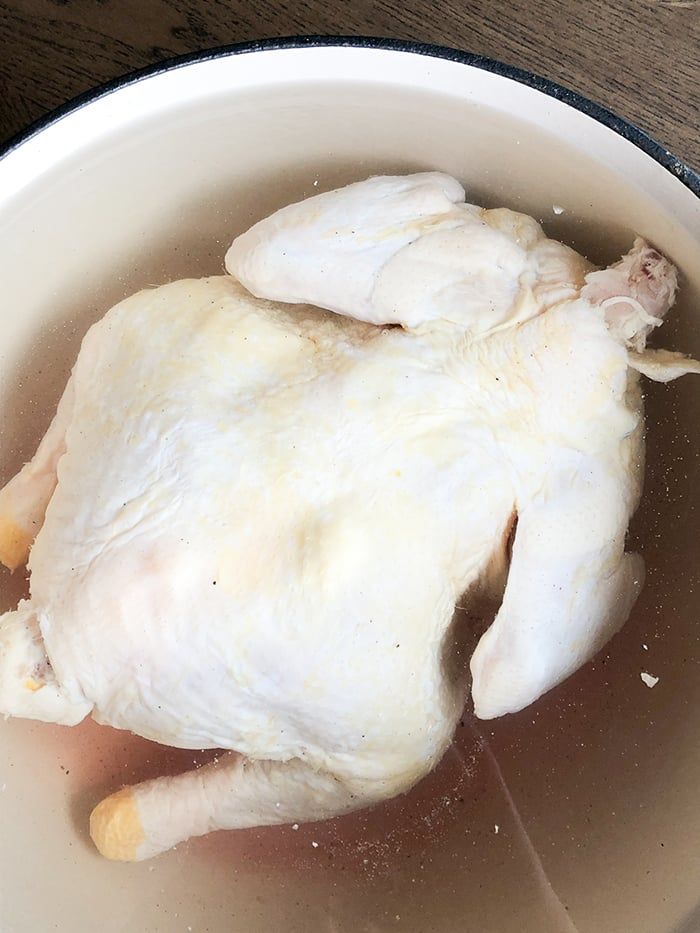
24,499
233,792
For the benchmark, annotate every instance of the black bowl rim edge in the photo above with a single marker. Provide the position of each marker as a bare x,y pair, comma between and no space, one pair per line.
679,169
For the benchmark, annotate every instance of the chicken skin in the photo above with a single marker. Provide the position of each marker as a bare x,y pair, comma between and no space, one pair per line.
264,493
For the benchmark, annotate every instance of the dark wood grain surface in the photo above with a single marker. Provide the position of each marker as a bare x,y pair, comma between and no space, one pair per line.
640,58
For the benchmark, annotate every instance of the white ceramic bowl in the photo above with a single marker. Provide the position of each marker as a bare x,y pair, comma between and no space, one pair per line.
149,179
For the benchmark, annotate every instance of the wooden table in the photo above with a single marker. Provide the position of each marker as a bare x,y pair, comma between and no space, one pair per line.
640,58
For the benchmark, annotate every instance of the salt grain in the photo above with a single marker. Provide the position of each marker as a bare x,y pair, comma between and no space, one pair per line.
496,827
295,826
557,209
315,845
649,679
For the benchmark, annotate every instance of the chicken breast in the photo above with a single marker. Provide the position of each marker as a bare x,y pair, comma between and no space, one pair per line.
258,517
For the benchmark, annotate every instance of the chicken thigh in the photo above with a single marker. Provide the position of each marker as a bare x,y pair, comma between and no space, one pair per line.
250,522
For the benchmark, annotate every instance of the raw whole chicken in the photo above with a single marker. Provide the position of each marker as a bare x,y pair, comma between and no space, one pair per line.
249,523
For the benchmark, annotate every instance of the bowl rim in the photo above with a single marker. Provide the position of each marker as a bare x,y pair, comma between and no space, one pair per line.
622,127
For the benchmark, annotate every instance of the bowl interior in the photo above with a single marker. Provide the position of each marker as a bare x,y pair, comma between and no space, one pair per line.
581,807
